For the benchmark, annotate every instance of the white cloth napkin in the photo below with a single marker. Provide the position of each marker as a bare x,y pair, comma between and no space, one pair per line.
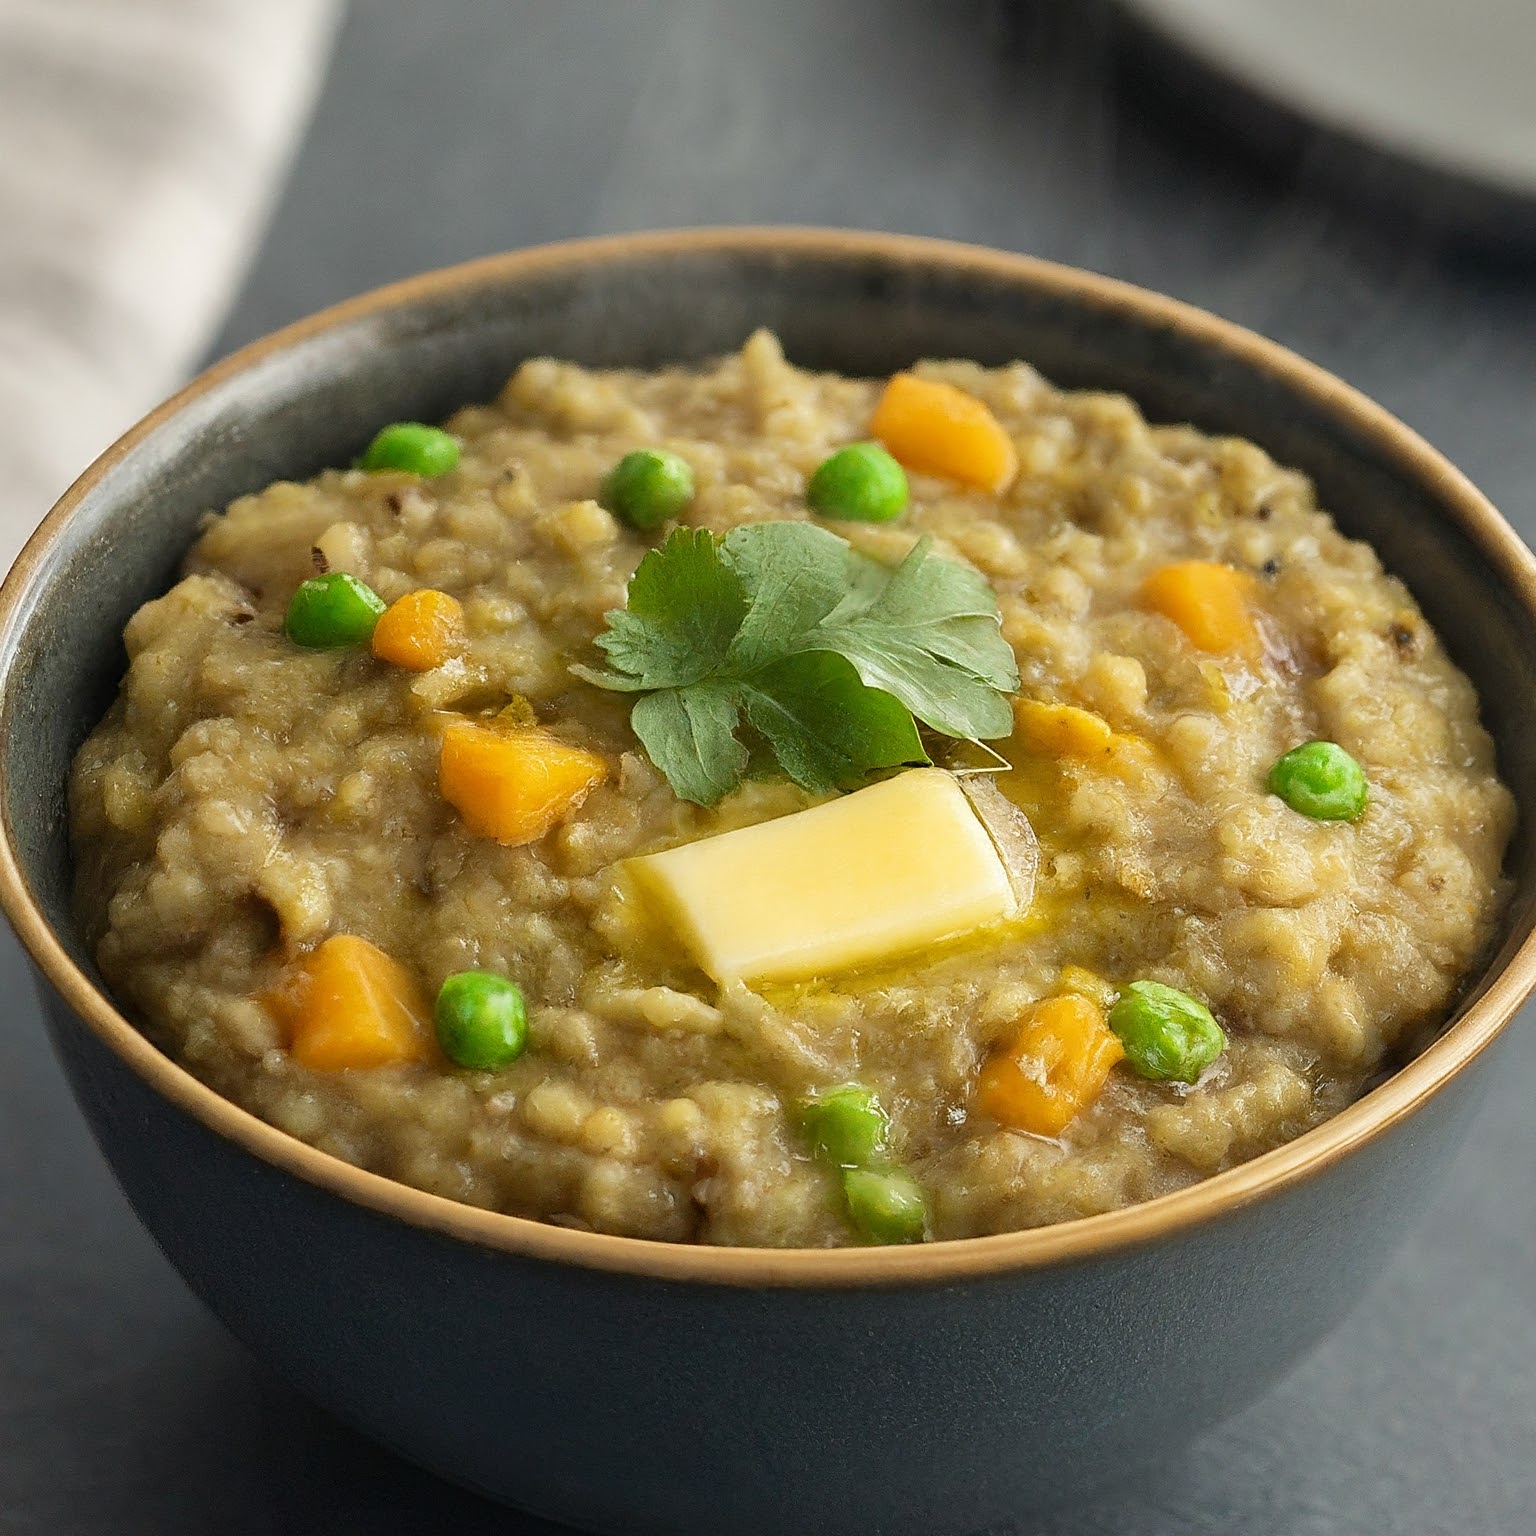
142,143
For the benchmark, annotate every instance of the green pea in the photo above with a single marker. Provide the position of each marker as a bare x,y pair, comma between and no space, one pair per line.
1321,780
647,487
1167,1034
332,610
886,1206
481,1020
862,483
413,447
846,1125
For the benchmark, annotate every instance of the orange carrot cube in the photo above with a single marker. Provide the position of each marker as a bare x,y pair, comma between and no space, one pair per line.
1054,1068
513,785
420,630
1210,602
348,1004
936,429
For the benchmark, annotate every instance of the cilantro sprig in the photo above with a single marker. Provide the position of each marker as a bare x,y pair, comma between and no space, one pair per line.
828,655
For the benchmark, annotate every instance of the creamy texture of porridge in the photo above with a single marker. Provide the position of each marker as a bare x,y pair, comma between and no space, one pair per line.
245,799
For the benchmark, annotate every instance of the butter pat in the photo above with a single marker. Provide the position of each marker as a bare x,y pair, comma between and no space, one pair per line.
859,880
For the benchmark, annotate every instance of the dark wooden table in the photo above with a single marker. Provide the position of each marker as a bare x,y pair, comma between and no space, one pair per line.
466,126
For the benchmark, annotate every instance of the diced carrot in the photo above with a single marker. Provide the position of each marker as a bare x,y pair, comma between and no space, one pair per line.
420,630
936,429
1064,730
1210,602
1054,1068
513,785
348,1004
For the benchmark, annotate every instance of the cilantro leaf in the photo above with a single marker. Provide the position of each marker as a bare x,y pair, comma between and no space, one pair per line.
690,734
826,654
825,727
929,635
684,607
795,575
949,700
947,609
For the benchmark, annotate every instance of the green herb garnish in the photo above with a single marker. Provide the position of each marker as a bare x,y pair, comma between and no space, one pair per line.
827,653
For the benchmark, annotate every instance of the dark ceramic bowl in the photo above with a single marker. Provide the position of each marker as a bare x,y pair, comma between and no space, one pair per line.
640,1387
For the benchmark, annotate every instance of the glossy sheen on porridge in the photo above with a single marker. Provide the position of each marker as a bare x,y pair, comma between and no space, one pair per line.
246,798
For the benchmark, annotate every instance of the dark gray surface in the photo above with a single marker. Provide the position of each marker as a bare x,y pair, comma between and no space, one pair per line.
472,125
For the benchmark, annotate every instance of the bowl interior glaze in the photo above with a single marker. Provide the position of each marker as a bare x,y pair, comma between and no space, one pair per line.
864,304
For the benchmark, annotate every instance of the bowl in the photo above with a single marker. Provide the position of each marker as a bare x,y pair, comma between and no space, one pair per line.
631,1386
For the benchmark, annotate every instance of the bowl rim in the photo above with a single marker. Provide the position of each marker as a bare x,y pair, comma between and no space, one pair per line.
1077,1239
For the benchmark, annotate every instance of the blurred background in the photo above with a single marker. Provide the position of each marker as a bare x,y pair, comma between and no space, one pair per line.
1356,178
